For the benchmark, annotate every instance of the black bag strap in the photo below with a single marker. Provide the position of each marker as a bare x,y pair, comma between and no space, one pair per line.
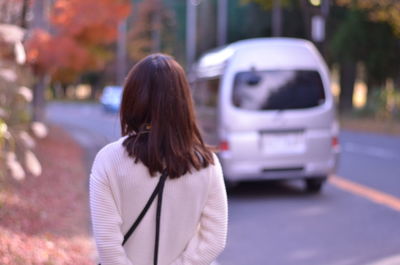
157,191
158,215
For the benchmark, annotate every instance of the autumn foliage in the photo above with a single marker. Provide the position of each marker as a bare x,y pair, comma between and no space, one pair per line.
83,32
142,39
45,220
378,10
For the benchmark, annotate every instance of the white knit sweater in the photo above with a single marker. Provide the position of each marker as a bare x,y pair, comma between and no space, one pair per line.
193,226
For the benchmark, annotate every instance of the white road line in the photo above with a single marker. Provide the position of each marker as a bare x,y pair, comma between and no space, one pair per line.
394,260
373,151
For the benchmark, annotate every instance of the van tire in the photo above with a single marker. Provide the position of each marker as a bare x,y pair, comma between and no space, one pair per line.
314,185
230,185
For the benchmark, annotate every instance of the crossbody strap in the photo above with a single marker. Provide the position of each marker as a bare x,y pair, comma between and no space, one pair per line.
157,191
158,188
158,216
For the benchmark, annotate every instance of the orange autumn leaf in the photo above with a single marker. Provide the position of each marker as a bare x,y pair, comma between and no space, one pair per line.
100,26
81,37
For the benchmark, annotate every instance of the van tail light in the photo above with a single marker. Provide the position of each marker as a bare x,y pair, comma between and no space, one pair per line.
223,146
335,141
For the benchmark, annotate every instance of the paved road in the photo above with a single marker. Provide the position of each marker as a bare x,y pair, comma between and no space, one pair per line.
355,223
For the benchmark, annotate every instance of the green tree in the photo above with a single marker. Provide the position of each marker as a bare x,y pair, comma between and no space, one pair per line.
363,34
348,47
382,57
381,43
276,7
378,11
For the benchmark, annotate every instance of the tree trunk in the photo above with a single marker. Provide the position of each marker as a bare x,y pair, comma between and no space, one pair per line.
371,90
121,52
373,87
206,29
58,90
24,12
156,21
191,34
38,103
304,6
347,81
397,83
94,91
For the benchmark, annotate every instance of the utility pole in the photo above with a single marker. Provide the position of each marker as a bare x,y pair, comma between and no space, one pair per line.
121,52
320,12
191,32
325,10
222,22
277,18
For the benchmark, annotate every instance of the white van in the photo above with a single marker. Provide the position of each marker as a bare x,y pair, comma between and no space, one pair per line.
267,104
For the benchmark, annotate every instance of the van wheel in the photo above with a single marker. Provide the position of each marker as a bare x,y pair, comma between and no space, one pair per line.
230,185
314,185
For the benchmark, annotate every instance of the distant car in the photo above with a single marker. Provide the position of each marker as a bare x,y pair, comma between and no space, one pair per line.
111,98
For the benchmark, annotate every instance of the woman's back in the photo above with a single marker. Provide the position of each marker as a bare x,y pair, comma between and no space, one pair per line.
193,219
160,134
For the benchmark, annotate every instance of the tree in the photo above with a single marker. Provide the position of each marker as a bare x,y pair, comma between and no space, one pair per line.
382,59
152,30
348,47
15,142
378,10
378,45
13,12
276,7
79,42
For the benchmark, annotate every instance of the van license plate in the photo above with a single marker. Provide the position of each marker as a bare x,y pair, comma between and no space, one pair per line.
283,143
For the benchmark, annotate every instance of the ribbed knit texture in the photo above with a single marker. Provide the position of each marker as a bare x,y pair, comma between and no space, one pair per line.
193,220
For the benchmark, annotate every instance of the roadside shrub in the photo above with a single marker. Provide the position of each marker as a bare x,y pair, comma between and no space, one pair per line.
16,144
384,104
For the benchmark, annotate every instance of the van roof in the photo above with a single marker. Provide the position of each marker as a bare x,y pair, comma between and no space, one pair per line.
215,60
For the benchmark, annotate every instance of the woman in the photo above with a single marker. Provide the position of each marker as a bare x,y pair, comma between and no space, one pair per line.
159,133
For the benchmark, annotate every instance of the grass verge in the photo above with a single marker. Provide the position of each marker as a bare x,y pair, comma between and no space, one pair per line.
371,125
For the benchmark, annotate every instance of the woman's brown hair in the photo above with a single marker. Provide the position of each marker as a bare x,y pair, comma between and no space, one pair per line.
157,115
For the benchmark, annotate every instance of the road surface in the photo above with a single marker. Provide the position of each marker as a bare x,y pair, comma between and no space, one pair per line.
355,220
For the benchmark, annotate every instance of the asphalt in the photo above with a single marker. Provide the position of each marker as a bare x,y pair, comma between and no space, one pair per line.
277,222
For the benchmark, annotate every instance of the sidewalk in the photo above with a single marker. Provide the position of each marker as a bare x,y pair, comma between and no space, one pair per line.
45,220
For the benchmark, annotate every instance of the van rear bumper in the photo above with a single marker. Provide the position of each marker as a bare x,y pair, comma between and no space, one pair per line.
251,170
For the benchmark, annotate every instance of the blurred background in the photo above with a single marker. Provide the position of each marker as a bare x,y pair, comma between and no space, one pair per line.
62,67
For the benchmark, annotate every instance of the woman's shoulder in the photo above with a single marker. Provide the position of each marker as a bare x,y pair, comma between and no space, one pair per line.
111,150
213,170
217,165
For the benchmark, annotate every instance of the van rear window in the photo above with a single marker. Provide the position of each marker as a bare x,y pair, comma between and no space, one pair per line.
278,90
